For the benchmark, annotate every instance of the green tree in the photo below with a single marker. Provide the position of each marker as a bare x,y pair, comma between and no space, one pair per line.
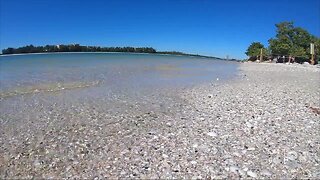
279,47
316,49
8,51
75,48
297,51
254,50
290,40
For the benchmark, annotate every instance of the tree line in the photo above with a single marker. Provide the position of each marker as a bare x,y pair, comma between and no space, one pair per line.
79,48
290,43
75,48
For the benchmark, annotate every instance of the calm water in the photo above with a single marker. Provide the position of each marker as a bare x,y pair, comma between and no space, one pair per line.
27,74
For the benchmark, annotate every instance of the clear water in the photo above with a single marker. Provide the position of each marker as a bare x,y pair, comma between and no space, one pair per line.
27,74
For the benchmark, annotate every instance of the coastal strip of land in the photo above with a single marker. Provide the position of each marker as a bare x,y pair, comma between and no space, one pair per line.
77,48
262,124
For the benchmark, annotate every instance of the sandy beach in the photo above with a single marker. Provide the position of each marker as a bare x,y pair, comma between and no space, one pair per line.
262,124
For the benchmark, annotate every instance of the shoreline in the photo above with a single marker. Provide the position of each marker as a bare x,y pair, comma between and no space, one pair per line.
5,55
259,125
160,54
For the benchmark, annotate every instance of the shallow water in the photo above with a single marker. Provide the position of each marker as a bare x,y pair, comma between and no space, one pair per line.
106,99
116,72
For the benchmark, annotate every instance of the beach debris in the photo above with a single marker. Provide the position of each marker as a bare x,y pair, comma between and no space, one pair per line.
266,173
212,134
252,174
316,110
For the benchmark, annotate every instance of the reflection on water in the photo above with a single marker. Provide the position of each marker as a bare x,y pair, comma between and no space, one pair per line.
27,74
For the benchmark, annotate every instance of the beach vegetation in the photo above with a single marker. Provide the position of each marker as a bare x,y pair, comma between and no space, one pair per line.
254,50
75,48
289,41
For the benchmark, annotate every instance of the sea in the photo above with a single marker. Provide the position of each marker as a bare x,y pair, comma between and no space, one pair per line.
94,74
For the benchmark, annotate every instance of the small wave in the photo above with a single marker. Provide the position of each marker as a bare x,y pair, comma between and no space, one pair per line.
52,87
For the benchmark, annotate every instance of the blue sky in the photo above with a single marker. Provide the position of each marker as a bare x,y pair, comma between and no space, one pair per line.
209,27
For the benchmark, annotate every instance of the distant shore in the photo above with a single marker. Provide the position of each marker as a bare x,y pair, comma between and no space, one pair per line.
75,48
71,53
158,53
